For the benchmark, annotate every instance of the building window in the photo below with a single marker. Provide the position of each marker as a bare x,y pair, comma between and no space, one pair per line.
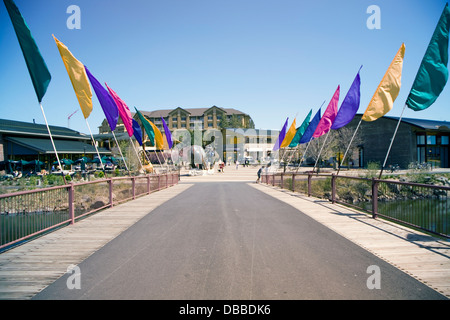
431,140
420,139
444,140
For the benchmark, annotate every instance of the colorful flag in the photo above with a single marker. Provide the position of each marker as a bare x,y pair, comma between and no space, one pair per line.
280,136
349,106
167,133
124,112
308,135
289,136
300,131
40,76
137,131
159,142
433,73
106,101
147,127
388,89
78,77
329,115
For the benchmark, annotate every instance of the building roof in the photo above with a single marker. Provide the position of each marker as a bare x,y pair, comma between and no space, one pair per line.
62,146
193,112
422,123
34,129
426,124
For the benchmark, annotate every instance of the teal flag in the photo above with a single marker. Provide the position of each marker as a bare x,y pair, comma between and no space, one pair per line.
433,73
300,131
147,127
40,76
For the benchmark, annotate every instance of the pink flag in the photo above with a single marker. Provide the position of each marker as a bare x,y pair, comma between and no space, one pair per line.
124,112
328,117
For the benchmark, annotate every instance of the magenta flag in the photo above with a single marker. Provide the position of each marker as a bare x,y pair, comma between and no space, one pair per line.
329,115
124,112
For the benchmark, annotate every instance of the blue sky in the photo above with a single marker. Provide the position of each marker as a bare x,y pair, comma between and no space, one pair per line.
271,59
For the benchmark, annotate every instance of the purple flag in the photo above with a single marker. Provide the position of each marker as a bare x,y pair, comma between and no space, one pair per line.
106,101
349,106
281,136
167,133
137,131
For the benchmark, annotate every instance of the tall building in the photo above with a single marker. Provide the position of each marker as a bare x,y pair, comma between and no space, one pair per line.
195,118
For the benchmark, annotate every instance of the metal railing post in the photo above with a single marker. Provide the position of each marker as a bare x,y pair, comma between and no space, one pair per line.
71,204
333,188
111,199
375,183
309,183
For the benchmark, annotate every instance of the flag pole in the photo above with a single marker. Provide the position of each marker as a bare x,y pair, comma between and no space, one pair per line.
348,148
120,151
164,157
53,143
93,141
137,155
303,156
145,153
392,141
320,152
157,157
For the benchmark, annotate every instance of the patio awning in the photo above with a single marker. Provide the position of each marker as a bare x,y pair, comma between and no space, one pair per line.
44,146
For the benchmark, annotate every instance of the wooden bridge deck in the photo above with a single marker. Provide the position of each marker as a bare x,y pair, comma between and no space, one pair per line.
27,269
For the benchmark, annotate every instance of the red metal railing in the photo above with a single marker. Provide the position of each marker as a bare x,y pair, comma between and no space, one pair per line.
27,214
422,206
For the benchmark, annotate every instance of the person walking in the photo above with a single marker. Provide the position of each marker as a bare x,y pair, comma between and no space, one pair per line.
259,174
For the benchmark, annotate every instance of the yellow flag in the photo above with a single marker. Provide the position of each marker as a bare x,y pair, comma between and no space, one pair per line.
78,77
159,142
289,136
388,89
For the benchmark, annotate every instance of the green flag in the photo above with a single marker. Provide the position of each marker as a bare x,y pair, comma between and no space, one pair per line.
40,76
433,73
147,127
300,131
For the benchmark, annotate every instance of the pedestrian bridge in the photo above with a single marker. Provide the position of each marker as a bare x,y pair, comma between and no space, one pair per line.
223,236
